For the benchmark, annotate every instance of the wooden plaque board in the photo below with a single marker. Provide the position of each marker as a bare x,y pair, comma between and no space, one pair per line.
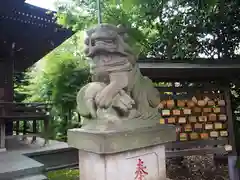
212,130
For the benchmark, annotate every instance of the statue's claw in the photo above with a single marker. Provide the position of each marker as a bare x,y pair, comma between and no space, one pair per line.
104,98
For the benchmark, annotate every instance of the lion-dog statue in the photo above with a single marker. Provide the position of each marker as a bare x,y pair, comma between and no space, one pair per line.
118,90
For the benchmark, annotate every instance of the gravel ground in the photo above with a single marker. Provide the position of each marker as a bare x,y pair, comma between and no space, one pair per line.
196,168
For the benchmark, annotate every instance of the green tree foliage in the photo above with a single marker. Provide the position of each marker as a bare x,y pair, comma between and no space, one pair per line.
56,79
167,28
19,83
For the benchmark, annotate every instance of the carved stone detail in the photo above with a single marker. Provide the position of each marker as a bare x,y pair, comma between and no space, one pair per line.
118,90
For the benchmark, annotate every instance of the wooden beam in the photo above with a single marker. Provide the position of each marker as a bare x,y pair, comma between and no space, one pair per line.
194,144
185,71
194,151
225,61
162,65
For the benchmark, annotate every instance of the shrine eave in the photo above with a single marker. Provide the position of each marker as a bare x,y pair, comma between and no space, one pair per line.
190,71
31,29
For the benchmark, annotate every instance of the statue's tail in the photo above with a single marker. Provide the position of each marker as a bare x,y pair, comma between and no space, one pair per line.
85,99
81,104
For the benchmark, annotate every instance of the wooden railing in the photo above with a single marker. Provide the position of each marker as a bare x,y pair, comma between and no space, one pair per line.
24,112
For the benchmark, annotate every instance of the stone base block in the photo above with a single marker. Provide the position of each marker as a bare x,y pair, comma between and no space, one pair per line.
147,162
109,142
133,151
3,150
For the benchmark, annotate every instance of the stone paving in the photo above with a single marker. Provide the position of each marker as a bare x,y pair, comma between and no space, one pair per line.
14,165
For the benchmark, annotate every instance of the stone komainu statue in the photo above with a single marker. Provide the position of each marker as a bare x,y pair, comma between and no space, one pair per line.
118,90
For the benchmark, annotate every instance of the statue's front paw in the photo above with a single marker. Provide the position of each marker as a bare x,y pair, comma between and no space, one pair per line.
123,101
104,99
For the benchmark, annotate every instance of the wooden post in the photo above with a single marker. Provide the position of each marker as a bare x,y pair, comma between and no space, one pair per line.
9,85
232,157
230,120
2,135
2,130
232,170
6,86
2,99
34,124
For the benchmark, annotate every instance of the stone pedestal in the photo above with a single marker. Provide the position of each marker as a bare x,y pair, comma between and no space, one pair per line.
3,150
122,154
123,166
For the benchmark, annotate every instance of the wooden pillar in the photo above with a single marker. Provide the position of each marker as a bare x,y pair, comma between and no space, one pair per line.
6,84
2,125
10,86
9,95
232,157
2,99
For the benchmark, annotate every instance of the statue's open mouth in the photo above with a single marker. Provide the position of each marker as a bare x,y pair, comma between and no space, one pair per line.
101,46
108,42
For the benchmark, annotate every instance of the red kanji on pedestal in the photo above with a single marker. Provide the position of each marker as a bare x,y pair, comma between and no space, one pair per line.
141,170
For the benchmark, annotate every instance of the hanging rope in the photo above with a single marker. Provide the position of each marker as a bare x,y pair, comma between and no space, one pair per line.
99,12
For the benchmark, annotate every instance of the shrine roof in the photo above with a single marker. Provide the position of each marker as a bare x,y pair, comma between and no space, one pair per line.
198,69
31,29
